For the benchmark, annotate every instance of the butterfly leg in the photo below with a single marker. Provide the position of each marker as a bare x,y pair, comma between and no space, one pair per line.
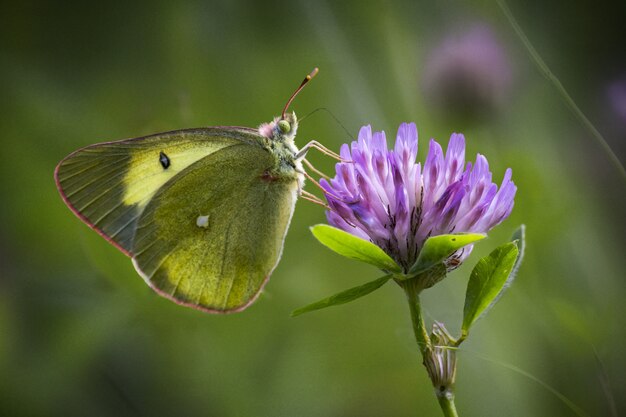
326,192
316,145
310,178
309,196
317,171
314,199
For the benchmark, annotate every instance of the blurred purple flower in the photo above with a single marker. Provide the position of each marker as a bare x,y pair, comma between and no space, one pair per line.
617,97
384,196
468,72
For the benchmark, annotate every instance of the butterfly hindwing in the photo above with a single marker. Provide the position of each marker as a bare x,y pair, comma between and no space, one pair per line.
108,185
211,238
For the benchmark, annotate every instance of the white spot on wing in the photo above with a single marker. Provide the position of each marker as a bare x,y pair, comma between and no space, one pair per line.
202,221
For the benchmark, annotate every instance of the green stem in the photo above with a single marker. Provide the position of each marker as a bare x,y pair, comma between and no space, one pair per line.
419,328
446,395
446,402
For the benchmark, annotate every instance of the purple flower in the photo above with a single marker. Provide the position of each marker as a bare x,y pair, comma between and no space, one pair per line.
468,72
617,98
386,197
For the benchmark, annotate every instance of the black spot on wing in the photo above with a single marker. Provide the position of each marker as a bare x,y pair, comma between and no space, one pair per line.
164,160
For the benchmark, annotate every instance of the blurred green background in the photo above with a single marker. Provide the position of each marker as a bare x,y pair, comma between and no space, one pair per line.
80,332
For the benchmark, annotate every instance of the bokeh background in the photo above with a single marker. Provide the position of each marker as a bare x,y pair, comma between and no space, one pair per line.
81,334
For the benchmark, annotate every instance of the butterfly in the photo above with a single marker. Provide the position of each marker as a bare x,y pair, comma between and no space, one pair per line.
202,213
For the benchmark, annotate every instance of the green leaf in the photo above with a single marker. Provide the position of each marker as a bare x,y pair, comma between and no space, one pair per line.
354,247
438,248
519,237
344,296
486,283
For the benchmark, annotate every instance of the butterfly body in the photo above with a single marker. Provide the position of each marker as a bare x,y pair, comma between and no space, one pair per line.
203,213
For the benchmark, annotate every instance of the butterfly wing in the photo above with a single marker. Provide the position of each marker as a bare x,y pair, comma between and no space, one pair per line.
211,238
108,185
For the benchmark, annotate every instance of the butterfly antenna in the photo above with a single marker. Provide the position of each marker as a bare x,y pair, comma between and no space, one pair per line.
301,119
295,93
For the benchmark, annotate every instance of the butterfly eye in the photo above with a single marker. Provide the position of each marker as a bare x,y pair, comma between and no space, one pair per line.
284,126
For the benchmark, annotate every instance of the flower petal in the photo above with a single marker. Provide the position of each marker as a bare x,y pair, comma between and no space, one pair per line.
386,197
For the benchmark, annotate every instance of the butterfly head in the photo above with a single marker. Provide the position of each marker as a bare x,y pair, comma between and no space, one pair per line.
281,129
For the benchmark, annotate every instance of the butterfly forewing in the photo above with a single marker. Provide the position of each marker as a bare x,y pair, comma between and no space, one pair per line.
108,185
211,238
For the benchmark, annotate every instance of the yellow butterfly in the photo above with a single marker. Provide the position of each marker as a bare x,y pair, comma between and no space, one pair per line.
203,213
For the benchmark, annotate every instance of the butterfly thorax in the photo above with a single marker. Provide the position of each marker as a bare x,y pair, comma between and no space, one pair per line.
278,137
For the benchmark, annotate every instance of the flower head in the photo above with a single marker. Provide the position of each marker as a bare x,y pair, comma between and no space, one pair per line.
468,72
617,98
386,197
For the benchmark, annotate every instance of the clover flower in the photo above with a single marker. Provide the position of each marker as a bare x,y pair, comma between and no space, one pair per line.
385,197
468,72
617,98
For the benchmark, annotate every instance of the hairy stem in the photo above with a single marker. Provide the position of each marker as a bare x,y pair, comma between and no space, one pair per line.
445,393
419,328
446,402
